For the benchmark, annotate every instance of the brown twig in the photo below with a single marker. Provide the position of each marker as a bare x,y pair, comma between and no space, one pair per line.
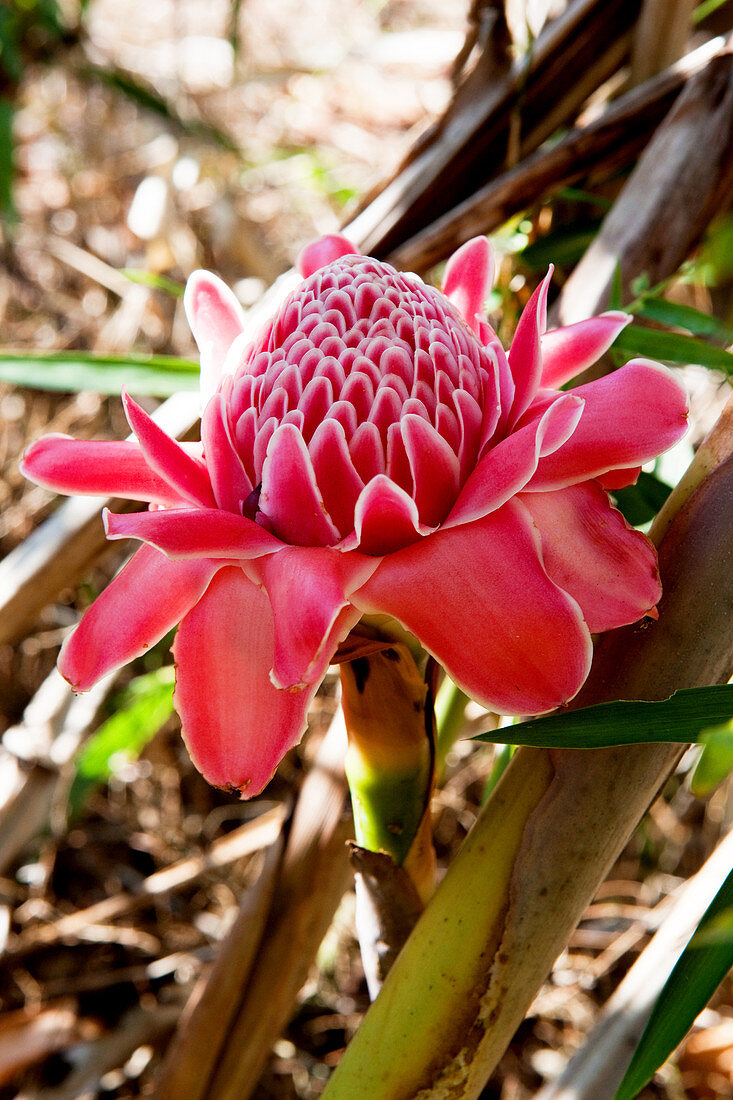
609,143
229,1049
244,841
684,177
572,57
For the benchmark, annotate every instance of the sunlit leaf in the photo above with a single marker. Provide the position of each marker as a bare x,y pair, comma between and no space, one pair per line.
155,282
672,348
718,931
504,753
681,316
699,971
716,760
706,8
679,719
158,375
639,503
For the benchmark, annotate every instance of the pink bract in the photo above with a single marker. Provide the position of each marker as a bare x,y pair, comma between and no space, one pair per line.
374,450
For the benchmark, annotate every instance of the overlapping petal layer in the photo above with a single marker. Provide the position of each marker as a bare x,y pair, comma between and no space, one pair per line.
105,469
237,726
590,551
630,416
372,450
146,599
516,641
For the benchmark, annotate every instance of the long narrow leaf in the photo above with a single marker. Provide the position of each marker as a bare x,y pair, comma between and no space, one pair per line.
157,375
716,760
681,316
152,280
699,971
672,348
681,718
7,157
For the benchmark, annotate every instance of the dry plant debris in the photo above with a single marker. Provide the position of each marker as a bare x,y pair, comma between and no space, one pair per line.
108,917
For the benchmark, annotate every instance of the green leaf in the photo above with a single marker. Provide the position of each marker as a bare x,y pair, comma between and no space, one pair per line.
501,763
143,708
679,719
718,931
155,282
716,760
575,194
640,285
158,375
706,8
639,503
681,316
715,259
698,972
672,348
563,248
7,158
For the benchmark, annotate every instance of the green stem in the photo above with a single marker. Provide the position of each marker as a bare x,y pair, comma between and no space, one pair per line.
450,709
389,762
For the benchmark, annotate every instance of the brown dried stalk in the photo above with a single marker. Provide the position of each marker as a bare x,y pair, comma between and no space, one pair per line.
661,36
595,1071
219,1055
684,178
606,145
572,57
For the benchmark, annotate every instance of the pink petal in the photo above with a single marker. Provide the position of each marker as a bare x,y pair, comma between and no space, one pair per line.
236,725
367,451
102,468
194,532
470,416
619,479
216,319
337,479
469,276
309,627
630,416
496,417
525,354
229,479
568,351
324,251
143,602
290,497
479,599
167,458
591,552
386,518
435,469
509,465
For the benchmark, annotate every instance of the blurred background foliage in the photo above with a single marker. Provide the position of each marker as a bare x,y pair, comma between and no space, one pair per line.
137,142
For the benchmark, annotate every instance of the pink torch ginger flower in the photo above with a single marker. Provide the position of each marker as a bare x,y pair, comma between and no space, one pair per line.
374,450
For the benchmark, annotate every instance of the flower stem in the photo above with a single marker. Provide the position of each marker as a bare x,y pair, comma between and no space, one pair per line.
387,706
389,762
450,709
